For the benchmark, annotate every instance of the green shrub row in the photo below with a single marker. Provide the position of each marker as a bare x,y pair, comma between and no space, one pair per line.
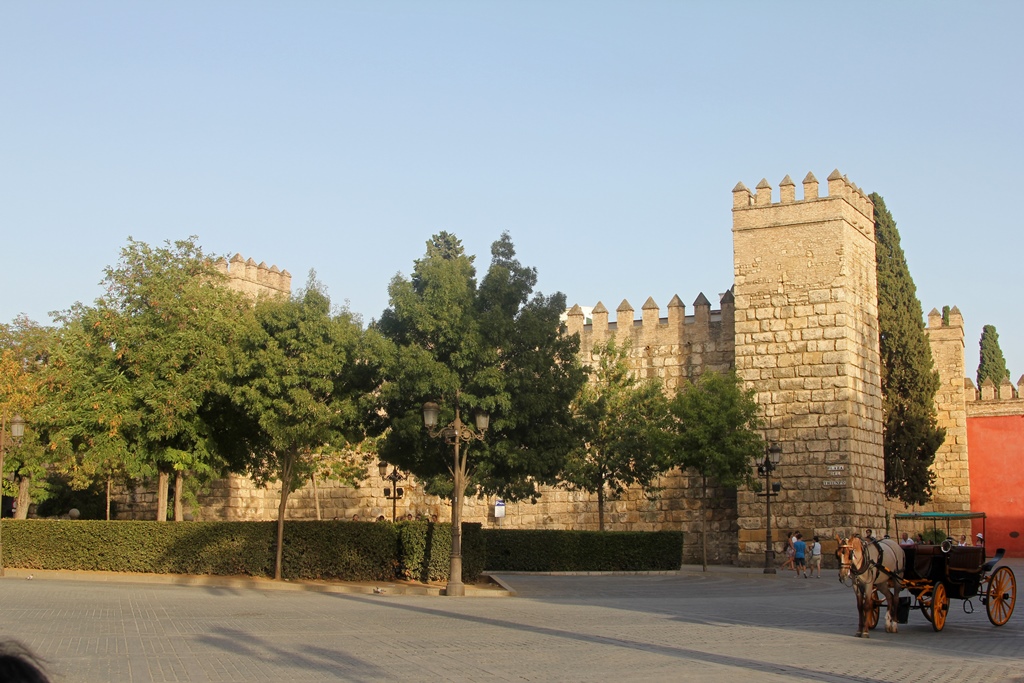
564,551
348,551
339,550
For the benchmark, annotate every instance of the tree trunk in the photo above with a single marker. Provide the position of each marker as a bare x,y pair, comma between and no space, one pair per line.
24,500
316,497
179,482
286,488
704,525
161,496
108,497
600,507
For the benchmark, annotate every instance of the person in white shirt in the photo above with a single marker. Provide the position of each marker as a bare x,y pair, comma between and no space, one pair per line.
815,562
906,540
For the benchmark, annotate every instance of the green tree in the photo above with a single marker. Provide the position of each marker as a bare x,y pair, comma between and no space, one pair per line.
910,432
497,348
715,425
298,393
86,401
992,364
620,435
24,353
136,365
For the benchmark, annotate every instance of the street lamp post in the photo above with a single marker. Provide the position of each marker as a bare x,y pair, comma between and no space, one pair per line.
456,433
772,457
394,493
17,433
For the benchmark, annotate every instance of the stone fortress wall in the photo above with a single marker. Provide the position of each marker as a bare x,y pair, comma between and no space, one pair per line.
807,342
253,280
799,325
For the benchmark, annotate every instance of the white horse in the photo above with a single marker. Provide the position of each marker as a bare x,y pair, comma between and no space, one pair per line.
872,566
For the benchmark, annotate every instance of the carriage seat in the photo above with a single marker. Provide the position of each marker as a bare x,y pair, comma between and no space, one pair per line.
919,559
966,558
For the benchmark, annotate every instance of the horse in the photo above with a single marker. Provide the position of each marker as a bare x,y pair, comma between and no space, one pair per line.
872,566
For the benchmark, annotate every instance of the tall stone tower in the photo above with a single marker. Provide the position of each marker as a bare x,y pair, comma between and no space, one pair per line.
806,306
952,490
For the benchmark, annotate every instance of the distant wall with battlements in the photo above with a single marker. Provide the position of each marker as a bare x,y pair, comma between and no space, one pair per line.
980,465
673,348
255,280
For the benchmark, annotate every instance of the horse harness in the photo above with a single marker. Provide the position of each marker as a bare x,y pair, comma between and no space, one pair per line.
868,563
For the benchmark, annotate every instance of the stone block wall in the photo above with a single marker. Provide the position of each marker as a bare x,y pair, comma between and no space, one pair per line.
952,477
807,342
255,281
675,348
676,506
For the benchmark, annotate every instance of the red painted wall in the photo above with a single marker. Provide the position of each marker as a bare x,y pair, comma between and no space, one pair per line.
996,451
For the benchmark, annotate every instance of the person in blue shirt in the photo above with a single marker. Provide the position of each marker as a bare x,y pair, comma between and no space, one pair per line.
800,555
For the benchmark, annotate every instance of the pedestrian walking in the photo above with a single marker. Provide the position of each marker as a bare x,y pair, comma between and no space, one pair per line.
800,555
816,556
788,564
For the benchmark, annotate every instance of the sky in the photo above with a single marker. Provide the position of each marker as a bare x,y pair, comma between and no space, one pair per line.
604,137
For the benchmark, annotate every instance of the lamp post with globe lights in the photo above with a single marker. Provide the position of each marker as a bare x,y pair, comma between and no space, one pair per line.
393,493
772,458
456,433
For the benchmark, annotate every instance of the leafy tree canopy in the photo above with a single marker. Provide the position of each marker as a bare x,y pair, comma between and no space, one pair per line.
620,436
911,435
131,371
298,394
24,353
495,347
716,424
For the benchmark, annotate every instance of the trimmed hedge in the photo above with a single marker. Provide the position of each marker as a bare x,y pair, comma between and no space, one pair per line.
564,551
340,550
425,551
349,551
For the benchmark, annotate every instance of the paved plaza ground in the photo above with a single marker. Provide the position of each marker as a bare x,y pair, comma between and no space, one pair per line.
726,626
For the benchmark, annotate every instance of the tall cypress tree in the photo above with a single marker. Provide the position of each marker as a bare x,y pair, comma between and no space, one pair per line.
911,435
992,365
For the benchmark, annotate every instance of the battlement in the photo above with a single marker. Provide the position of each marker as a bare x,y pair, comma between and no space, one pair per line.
989,399
651,323
844,201
255,280
952,329
673,347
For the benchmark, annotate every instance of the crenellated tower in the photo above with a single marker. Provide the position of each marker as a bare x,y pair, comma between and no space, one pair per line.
806,308
952,491
255,281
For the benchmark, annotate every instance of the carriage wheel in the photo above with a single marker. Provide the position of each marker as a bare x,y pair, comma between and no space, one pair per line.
940,606
1002,594
872,618
925,600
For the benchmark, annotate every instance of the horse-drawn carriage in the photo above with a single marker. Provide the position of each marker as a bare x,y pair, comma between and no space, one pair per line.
934,574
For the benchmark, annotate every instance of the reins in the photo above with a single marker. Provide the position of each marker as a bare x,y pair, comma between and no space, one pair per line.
866,563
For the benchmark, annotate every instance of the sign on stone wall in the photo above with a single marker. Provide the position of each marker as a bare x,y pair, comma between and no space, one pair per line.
836,476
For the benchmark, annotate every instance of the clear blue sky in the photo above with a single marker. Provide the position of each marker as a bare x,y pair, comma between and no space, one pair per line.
605,137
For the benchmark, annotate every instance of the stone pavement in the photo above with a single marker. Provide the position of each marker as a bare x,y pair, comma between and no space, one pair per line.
726,625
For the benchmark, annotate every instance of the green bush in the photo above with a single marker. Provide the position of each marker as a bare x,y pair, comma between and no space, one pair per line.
551,550
340,550
425,551
934,536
